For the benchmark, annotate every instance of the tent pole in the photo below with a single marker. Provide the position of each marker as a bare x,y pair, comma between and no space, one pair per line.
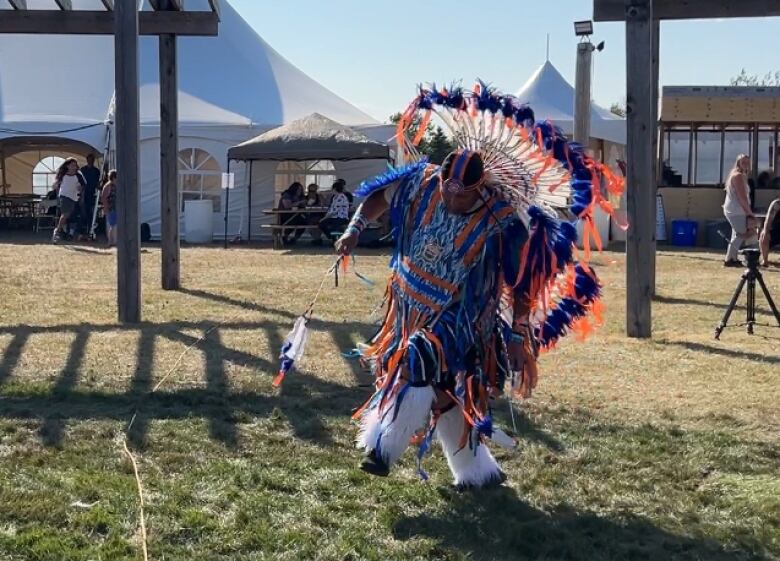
227,204
249,206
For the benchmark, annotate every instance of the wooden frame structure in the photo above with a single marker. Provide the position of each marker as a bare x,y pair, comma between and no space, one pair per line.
642,19
122,19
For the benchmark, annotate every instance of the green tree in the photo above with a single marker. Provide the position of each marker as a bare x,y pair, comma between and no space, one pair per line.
745,79
438,146
435,143
618,108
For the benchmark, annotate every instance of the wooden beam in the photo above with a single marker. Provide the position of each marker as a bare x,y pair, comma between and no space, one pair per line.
109,4
127,127
91,22
214,6
615,10
169,168
640,194
64,4
18,4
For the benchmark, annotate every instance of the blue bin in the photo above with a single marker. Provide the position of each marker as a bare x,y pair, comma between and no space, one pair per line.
684,232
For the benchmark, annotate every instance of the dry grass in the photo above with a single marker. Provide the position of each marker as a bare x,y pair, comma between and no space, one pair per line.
660,449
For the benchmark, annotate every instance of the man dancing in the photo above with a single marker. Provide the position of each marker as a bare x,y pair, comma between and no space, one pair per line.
483,274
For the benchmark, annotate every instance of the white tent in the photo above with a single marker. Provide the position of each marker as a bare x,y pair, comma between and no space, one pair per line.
552,97
231,88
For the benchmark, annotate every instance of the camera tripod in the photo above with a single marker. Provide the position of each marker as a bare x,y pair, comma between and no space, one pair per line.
751,275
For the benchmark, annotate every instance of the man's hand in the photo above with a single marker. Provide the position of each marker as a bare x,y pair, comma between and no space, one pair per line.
346,243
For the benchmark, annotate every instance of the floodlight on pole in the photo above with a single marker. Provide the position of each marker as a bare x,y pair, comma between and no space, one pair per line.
583,28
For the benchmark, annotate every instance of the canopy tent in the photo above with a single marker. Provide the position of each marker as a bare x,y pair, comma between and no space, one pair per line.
314,137
231,88
552,97
312,149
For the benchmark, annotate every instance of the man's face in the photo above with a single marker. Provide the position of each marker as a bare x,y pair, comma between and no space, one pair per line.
459,201
90,160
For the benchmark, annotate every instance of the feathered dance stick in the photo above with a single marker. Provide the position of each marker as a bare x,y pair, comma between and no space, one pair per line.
295,342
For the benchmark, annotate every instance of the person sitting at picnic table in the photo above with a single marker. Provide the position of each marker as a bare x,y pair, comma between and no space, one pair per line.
770,234
337,217
314,201
292,198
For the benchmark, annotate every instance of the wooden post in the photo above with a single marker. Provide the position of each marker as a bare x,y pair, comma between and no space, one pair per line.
127,134
654,185
582,94
169,169
640,242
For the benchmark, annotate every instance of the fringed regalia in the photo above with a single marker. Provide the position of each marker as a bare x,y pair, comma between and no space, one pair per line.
455,277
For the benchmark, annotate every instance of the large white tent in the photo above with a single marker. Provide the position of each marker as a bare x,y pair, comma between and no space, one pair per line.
56,95
552,97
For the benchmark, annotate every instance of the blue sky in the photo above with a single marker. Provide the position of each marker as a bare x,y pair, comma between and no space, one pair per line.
373,52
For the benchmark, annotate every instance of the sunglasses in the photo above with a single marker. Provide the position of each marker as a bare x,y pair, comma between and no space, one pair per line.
455,186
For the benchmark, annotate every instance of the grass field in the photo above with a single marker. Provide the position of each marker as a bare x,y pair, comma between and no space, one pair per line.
659,449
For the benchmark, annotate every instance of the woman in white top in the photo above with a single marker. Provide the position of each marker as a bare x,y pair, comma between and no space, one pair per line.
69,184
736,208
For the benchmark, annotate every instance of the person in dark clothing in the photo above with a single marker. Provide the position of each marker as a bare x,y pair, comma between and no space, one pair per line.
314,201
89,195
292,198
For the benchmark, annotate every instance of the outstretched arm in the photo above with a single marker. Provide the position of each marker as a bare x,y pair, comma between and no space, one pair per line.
371,209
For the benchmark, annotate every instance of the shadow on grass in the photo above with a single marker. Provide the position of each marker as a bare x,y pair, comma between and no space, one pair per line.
304,400
729,353
738,309
496,524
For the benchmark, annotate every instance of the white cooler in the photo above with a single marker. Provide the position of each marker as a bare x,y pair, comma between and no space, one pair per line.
198,221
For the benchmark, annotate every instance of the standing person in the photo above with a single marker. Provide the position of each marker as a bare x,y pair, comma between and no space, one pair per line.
292,198
483,273
736,208
69,184
314,200
89,195
108,201
337,216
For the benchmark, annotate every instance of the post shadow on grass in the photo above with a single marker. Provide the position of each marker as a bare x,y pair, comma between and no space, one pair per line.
222,299
53,423
13,352
304,399
496,524
729,353
140,386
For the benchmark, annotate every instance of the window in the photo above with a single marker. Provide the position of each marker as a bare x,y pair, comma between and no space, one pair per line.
44,174
676,157
736,142
766,146
200,177
320,172
707,157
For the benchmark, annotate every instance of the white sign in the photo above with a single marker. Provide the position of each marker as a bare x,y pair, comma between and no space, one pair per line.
228,180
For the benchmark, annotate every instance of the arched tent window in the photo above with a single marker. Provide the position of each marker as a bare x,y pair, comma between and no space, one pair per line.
200,177
321,172
44,173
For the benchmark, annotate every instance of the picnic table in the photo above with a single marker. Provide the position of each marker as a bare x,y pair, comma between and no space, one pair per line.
285,215
18,205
